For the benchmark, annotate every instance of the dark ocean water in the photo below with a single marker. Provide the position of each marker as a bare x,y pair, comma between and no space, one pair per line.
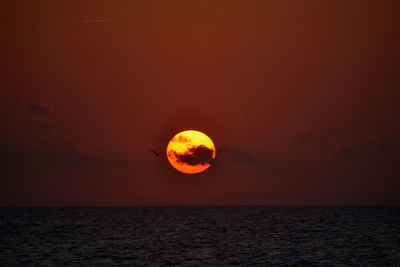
200,236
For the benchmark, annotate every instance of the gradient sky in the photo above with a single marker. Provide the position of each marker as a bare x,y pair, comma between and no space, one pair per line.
301,98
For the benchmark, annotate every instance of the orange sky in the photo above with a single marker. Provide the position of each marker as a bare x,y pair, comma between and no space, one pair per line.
300,97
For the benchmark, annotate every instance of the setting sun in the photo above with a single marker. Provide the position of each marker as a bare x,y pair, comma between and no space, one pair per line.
191,152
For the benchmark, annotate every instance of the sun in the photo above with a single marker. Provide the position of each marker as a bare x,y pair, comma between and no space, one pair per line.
191,152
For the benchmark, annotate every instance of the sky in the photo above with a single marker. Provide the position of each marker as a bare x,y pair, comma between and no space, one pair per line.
301,99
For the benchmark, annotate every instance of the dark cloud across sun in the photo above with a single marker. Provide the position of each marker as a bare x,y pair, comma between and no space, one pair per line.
197,155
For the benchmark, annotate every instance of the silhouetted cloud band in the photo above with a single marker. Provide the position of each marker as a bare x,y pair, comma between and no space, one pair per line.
198,155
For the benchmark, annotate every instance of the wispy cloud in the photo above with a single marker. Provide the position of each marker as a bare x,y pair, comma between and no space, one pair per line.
92,20
41,124
36,108
37,115
239,155
301,135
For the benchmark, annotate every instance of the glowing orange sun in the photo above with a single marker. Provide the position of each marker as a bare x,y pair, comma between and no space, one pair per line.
191,152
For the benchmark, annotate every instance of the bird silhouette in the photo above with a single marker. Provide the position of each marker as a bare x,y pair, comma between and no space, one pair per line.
155,153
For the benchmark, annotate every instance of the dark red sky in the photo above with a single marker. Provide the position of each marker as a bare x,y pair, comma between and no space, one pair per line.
300,97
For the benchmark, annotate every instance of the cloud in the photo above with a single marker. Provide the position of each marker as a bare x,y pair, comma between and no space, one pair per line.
240,155
383,152
41,125
354,150
301,135
363,172
58,154
383,149
64,154
37,109
198,155
37,116
92,20
180,139
368,161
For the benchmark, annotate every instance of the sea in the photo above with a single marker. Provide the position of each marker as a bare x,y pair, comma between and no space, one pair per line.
200,236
